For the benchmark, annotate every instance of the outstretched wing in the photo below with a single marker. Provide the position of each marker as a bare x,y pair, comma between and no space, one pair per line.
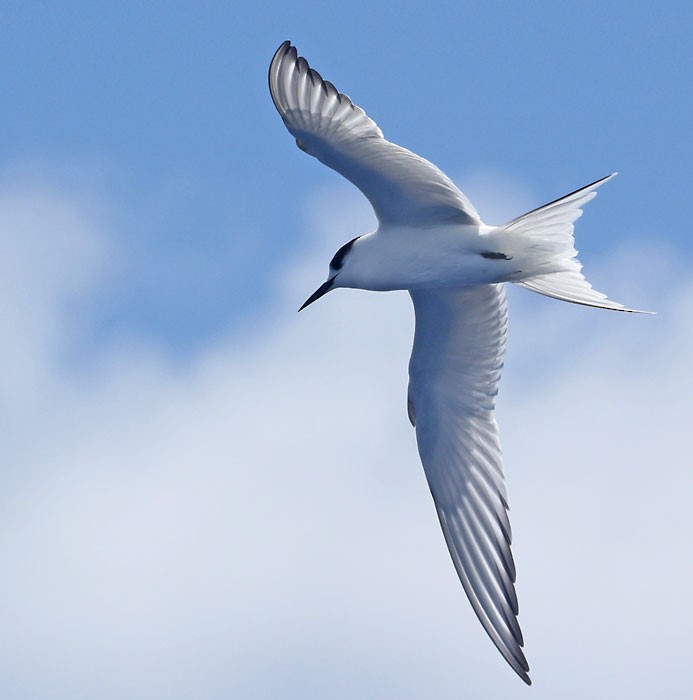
454,372
401,186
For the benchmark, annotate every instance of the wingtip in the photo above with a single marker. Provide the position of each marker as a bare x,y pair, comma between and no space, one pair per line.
279,54
520,668
283,48
284,45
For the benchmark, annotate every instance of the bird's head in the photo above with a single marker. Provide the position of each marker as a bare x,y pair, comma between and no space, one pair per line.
339,262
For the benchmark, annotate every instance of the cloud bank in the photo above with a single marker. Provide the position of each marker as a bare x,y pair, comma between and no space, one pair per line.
255,523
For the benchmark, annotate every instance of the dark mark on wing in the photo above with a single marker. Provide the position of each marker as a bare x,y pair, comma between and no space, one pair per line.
495,256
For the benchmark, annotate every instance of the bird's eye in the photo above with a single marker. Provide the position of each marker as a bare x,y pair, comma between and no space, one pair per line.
337,261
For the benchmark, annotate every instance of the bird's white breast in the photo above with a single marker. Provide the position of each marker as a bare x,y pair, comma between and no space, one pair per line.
423,258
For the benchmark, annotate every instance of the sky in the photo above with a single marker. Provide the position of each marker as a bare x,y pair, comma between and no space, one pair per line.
207,495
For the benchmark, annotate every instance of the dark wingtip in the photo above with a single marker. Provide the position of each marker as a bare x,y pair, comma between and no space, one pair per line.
278,55
283,48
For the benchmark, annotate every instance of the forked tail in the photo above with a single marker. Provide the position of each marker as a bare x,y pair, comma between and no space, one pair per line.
548,232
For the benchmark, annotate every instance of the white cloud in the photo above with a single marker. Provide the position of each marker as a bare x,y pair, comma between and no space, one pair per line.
49,257
257,525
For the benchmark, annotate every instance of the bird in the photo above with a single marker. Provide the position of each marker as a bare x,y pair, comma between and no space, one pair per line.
431,242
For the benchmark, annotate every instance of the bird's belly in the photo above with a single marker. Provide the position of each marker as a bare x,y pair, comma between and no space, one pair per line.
435,260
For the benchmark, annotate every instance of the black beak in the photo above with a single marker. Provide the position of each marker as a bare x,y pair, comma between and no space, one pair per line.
320,291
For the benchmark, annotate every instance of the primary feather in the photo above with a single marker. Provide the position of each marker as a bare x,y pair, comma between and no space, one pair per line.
455,367
401,186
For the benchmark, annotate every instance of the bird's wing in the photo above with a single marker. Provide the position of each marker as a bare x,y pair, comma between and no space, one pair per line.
454,372
401,186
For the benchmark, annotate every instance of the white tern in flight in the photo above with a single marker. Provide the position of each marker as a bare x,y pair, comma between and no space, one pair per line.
431,242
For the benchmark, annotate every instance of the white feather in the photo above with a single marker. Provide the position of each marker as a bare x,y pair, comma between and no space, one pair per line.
401,186
455,367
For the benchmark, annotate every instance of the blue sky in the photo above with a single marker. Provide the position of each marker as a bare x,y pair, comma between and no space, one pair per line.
162,110
178,520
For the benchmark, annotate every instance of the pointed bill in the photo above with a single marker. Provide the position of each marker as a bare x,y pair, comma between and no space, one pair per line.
319,292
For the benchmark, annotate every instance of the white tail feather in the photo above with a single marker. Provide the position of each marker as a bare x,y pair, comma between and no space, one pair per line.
547,232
